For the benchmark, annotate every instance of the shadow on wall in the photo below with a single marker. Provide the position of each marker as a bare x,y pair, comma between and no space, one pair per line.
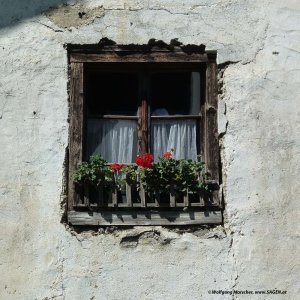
12,11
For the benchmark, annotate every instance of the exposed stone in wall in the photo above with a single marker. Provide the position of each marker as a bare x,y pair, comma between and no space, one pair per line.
74,15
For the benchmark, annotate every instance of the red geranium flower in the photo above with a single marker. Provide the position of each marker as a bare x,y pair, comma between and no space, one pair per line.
167,154
144,160
116,166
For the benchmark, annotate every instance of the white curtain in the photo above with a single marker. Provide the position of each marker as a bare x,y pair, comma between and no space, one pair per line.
177,134
115,140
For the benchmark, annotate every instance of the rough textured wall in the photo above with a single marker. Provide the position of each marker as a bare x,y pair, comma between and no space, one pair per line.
258,52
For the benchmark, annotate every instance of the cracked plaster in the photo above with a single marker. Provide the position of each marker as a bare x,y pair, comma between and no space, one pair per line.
258,52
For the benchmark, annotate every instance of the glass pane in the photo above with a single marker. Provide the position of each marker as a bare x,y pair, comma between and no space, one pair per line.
175,93
177,134
112,93
115,140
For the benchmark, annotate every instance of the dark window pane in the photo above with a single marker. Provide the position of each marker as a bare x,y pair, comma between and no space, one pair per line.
112,93
175,93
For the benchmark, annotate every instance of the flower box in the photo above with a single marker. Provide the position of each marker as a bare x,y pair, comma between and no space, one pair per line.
166,183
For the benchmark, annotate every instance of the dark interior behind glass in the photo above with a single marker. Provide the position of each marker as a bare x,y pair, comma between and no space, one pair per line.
112,93
175,93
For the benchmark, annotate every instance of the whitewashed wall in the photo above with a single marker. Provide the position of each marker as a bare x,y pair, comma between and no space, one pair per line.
258,247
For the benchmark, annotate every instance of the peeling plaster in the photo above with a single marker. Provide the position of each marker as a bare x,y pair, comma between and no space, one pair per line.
67,16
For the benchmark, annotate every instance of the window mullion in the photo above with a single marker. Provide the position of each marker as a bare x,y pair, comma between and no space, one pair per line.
148,120
143,115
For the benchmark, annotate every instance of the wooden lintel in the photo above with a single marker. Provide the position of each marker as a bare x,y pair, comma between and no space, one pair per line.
111,57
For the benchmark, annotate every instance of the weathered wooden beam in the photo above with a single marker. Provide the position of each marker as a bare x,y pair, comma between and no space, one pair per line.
159,57
114,198
176,117
128,195
75,128
211,119
86,195
186,199
172,200
143,196
121,117
143,127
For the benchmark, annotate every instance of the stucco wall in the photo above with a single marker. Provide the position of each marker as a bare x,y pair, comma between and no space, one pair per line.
258,44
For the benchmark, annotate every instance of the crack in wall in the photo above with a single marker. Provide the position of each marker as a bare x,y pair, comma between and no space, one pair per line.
50,27
221,95
7,94
58,284
227,226
234,273
2,108
259,49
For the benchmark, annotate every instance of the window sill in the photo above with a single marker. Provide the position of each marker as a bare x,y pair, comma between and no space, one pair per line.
145,217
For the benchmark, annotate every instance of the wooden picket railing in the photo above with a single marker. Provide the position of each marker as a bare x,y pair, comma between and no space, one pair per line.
131,197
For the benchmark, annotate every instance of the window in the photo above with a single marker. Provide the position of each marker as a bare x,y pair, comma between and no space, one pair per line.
129,101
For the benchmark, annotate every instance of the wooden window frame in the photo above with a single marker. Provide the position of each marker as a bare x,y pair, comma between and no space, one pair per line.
79,211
